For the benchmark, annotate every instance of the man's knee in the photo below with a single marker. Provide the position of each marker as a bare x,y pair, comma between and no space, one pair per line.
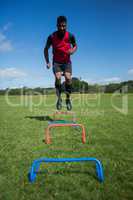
68,78
58,80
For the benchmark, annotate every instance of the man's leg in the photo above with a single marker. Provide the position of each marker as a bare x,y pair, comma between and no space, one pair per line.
58,89
68,87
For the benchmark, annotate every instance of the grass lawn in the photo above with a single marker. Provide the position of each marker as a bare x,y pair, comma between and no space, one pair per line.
109,130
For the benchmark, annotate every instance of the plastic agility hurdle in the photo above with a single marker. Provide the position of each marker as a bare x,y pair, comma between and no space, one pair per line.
36,164
64,113
54,124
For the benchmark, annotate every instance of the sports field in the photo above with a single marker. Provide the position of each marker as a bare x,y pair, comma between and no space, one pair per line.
108,121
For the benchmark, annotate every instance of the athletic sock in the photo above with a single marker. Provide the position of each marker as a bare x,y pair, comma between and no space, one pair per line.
58,87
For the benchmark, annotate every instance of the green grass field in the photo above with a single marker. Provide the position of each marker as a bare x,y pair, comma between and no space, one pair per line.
109,138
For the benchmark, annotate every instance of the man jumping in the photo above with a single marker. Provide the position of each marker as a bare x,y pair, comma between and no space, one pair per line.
63,44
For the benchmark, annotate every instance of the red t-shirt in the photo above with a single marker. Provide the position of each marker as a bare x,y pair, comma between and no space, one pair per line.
60,46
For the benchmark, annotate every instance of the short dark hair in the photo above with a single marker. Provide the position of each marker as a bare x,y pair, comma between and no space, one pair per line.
61,19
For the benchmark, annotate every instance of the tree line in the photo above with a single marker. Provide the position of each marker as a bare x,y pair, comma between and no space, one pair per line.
78,86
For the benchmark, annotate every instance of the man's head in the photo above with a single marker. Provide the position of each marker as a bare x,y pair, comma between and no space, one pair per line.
62,24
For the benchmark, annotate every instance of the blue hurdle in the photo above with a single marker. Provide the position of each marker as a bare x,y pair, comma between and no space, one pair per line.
36,164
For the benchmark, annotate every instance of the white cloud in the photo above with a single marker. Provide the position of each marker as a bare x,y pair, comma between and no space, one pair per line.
103,81
111,80
16,77
2,37
130,71
7,26
11,73
5,44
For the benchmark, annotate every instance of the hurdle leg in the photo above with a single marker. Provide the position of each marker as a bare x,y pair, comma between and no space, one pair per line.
47,136
83,135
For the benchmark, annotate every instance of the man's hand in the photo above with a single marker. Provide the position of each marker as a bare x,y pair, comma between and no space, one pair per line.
48,65
70,51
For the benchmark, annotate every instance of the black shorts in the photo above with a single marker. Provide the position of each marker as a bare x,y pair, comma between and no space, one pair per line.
58,67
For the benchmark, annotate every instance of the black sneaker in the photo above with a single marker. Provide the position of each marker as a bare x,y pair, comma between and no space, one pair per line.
68,104
59,104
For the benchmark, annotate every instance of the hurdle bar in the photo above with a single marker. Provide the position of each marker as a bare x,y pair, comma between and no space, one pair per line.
52,125
36,164
65,113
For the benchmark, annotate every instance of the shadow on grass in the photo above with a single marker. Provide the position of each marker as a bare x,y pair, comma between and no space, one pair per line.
40,118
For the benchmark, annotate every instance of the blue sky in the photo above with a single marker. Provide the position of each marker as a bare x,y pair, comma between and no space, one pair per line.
103,30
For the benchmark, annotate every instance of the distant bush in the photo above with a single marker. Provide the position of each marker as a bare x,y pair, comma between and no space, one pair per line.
78,85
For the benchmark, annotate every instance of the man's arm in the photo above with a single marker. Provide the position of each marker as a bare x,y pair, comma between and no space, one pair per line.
73,43
46,54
